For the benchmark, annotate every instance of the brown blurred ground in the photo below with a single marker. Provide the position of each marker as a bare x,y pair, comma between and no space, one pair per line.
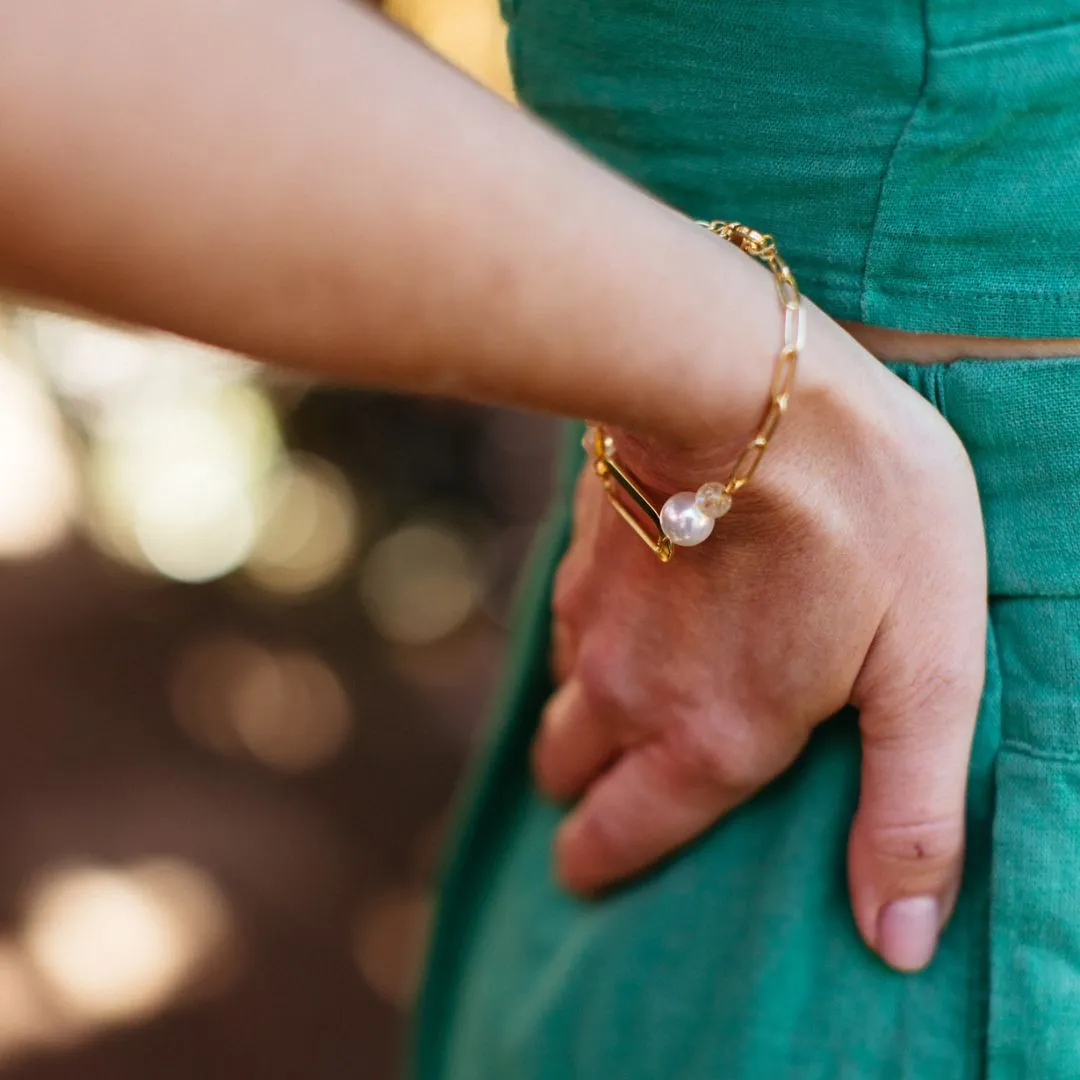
320,878
221,801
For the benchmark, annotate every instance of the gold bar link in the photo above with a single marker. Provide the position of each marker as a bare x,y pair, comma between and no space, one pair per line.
786,287
794,328
769,424
784,375
614,479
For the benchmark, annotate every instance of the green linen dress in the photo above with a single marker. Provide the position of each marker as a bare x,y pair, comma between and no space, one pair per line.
920,162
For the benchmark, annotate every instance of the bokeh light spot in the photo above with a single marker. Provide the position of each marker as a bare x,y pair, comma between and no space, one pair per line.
38,487
179,481
196,523
391,937
285,708
291,711
115,946
420,584
29,1020
104,369
308,530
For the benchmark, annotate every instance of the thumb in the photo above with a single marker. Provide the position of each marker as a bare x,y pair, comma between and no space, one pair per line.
905,856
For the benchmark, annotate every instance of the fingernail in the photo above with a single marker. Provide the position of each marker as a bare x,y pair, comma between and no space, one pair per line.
908,932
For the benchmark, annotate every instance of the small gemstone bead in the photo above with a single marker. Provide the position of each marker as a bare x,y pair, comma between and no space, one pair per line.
713,500
588,441
683,523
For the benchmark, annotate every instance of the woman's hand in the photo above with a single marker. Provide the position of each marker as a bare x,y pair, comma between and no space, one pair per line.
852,569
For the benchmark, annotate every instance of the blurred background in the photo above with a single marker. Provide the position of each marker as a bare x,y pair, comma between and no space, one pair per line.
249,628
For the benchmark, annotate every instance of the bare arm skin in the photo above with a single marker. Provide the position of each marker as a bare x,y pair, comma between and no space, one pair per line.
296,180
300,181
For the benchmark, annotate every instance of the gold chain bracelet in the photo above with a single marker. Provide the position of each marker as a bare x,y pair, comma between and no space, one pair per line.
687,519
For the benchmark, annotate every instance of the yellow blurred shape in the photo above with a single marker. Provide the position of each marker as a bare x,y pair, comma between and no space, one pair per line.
420,584
115,946
38,487
287,708
391,936
469,33
308,529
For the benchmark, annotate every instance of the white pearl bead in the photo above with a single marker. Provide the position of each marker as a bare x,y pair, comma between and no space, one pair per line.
683,522
713,500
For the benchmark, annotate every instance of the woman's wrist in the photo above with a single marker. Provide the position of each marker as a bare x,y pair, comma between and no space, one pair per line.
849,420
706,449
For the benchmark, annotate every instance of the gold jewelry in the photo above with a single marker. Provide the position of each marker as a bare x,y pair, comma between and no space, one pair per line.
687,518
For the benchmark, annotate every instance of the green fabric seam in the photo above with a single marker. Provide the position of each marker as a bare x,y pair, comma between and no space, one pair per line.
1026,749
864,304
1018,37
856,292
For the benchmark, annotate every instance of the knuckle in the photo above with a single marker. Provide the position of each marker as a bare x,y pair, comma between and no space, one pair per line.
929,844
568,597
599,840
944,688
544,758
606,678
732,768
562,651
950,679
702,751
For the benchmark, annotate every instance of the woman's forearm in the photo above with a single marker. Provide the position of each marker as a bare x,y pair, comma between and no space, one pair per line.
297,180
